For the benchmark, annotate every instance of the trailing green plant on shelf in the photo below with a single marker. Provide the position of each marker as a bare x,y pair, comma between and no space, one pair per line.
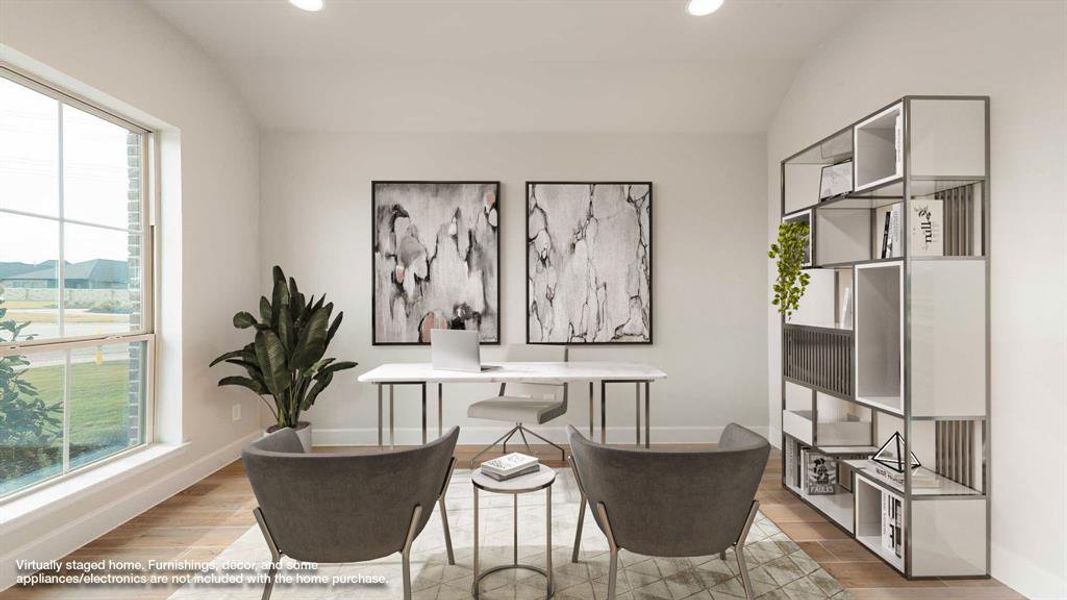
285,360
790,251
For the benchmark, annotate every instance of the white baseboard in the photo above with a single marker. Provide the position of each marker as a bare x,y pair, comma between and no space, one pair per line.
365,436
63,539
774,436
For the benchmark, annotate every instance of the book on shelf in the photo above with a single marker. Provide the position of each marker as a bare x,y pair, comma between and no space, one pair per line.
510,465
821,473
920,478
892,524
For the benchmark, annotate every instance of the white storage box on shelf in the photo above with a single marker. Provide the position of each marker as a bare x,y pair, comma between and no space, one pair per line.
799,424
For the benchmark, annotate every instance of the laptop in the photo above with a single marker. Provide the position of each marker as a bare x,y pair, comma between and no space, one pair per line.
456,350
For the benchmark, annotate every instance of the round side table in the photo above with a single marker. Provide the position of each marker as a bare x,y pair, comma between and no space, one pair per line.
532,482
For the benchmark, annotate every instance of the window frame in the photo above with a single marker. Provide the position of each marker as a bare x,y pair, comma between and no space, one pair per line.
149,257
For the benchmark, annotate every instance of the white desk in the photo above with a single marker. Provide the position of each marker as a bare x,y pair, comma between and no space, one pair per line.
421,374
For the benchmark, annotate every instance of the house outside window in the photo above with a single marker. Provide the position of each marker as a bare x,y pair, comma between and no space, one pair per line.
76,324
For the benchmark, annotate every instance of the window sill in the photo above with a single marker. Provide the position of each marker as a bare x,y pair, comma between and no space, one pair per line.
50,498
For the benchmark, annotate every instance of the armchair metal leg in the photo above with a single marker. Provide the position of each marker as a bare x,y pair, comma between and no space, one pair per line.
275,554
739,550
405,554
444,512
578,532
613,564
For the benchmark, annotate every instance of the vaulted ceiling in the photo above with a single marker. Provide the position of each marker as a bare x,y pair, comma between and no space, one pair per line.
510,65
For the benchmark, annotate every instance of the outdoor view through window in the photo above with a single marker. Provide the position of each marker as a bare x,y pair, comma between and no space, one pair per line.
73,332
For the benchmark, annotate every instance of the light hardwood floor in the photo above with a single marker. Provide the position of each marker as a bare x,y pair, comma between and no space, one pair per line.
200,522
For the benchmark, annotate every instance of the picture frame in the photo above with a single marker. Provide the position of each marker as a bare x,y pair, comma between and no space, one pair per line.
618,254
413,290
835,180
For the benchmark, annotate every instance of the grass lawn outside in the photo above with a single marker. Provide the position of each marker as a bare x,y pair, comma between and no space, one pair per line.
99,399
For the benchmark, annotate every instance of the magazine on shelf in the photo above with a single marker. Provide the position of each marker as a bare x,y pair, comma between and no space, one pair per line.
509,465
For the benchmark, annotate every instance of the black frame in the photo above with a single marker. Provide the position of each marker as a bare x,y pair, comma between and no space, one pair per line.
374,244
651,262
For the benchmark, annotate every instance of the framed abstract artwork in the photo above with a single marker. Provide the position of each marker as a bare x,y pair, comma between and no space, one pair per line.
436,259
588,262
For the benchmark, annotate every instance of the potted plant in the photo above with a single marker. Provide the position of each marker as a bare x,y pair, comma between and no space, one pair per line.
791,252
285,360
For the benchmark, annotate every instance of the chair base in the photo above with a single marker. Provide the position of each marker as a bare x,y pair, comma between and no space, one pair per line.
520,429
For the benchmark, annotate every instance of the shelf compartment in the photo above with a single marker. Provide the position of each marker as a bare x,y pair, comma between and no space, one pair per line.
948,338
799,424
878,338
842,235
878,153
868,512
948,539
838,507
819,357
947,136
924,481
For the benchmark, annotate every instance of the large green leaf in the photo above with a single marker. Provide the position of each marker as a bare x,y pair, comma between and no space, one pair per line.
311,344
245,382
270,354
265,312
244,320
279,295
333,328
296,301
338,366
320,384
228,355
285,329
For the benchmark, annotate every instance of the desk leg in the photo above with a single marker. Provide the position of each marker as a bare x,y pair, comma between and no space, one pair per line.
637,406
440,409
603,413
591,410
423,386
648,415
379,415
392,419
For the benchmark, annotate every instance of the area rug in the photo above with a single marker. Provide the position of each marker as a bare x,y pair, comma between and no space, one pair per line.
779,569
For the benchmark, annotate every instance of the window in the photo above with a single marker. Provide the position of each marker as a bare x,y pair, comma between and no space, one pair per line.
75,284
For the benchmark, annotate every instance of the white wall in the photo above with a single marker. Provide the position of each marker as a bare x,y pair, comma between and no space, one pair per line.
708,267
1015,52
124,56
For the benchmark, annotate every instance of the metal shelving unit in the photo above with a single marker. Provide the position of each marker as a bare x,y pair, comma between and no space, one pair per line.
897,340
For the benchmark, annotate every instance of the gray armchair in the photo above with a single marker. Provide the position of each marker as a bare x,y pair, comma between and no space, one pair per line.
340,508
667,503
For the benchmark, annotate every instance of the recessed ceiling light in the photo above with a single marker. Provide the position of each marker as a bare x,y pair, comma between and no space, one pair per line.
699,8
310,5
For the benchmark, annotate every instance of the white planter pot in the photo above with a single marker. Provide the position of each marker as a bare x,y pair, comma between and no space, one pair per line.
303,431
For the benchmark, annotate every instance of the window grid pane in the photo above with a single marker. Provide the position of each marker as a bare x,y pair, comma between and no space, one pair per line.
71,265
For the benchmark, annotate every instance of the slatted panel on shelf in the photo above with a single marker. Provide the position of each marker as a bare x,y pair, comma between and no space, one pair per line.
819,357
954,443
959,214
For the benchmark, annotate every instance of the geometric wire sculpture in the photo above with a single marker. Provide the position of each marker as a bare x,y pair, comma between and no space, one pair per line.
892,452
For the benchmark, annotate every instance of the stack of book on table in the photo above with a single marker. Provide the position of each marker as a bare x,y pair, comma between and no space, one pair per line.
510,466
